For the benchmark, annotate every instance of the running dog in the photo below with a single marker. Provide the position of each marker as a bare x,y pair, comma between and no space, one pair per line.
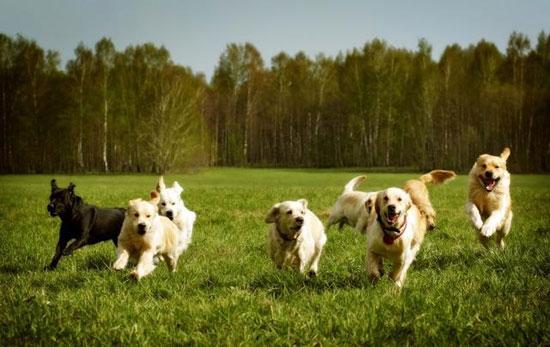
171,205
402,218
296,237
145,234
489,203
352,207
83,223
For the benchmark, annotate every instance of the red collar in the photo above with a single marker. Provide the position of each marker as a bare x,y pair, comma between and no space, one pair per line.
390,232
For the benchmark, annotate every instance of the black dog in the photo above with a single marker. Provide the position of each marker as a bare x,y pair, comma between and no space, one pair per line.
86,224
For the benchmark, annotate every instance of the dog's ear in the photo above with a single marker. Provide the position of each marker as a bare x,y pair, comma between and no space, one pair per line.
378,202
505,153
273,214
71,187
368,205
177,187
53,183
160,185
303,202
155,197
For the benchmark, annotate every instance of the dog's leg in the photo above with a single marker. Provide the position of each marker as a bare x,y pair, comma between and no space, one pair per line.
313,269
373,266
408,260
76,244
484,240
61,244
492,223
171,261
145,265
122,256
501,234
475,217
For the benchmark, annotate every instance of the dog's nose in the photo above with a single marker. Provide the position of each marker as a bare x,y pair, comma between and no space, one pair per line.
299,220
141,228
170,214
391,208
489,174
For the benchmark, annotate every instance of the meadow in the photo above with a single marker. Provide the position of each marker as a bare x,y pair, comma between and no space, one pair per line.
227,292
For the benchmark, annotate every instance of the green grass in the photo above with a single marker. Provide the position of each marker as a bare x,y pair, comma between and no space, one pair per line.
227,292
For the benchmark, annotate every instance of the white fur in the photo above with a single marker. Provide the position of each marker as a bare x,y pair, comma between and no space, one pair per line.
306,245
171,201
160,239
352,207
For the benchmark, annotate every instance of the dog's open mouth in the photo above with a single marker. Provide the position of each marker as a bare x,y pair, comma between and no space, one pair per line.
392,217
489,183
296,228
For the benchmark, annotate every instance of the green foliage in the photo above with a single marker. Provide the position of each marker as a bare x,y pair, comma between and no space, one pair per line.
227,292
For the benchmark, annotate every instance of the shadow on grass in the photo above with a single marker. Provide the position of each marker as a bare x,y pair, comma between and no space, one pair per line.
12,269
99,262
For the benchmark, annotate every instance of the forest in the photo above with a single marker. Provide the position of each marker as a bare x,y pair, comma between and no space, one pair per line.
135,110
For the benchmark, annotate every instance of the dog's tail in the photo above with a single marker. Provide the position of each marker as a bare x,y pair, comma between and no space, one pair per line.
354,183
438,176
419,192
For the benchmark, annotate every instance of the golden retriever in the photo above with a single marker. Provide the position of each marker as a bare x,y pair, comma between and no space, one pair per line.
144,235
402,218
352,207
296,237
489,203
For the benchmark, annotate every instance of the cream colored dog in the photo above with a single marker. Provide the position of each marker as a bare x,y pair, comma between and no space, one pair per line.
352,207
144,235
489,197
296,237
402,218
171,205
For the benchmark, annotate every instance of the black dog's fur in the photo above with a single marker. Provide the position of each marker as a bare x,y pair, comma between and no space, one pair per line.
86,224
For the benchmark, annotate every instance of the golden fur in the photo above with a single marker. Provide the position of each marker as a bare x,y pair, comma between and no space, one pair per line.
351,207
296,237
489,203
398,227
144,235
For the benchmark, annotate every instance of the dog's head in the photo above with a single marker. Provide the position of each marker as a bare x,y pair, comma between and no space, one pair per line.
489,170
142,213
62,200
391,207
288,216
170,204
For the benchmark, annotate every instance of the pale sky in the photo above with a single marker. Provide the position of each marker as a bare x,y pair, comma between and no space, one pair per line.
196,32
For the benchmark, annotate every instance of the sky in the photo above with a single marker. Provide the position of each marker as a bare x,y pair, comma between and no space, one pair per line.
197,32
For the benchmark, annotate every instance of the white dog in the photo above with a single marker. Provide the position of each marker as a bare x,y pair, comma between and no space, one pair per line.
353,208
402,218
296,237
489,197
171,205
144,235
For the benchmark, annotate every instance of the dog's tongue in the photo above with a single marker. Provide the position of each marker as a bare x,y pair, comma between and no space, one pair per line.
392,218
490,184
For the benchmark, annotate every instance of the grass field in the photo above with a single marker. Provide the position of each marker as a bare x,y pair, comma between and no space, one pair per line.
227,292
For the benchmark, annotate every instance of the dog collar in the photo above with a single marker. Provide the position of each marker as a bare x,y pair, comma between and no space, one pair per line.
286,238
389,239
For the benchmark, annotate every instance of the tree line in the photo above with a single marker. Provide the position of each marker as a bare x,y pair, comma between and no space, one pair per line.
379,106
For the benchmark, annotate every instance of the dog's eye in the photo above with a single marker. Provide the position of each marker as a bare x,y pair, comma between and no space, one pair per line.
289,212
163,204
496,166
399,199
136,214
386,198
484,166
148,216
173,203
303,212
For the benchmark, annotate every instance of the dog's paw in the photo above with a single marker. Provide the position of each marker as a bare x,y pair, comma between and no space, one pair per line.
487,230
478,225
135,275
49,268
312,273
